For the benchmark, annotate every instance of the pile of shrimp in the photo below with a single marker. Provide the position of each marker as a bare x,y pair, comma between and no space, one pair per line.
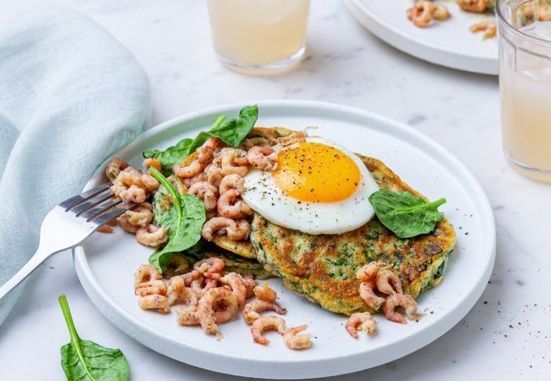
133,186
216,173
380,287
208,296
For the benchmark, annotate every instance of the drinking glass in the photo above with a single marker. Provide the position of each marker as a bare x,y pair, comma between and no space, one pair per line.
524,29
259,36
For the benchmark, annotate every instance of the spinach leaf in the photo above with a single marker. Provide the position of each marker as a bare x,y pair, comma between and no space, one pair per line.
232,132
405,214
84,360
171,155
184,220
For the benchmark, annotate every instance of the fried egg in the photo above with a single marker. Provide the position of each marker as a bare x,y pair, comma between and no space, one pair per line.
318,187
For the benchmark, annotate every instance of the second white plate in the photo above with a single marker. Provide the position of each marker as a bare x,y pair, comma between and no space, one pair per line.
448,43
106,263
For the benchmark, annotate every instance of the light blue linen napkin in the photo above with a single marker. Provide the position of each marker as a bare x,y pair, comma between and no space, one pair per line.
70,95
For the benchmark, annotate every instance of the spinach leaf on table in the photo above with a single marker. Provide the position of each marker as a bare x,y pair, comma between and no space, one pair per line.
405,214
184,217
231,132
84,360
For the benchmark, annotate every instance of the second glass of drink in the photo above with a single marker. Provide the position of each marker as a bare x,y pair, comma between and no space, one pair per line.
259,36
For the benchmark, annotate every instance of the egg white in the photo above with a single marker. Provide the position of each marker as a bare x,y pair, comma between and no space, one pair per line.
265,198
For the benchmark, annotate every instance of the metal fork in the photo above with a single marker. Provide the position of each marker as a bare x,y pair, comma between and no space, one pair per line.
68,224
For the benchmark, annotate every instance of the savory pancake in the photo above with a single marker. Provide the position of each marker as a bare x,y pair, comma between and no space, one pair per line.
322,268
241,248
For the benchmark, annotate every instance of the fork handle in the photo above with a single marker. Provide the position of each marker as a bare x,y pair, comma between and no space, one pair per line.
36,260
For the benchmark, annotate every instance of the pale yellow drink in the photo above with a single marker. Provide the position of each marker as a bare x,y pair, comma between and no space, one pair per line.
525,86
258,32
526,117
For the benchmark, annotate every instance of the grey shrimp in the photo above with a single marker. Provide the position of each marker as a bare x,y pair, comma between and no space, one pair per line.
236,285
421,13
217,305
154,302
187,315
250,284
388,282
368,272
206,192
152,287
152,236
231,206
252,310
133,186
240,232
367,293
202,285
361,321
146,273
233,181
178,292
234,160
189,181
262,157
294,341
266,323
265,292
217,225
205,154
139,217
192,169
114,167
209,266
400,300
213,172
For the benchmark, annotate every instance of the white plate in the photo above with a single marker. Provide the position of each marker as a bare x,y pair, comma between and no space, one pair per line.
106,263
448,43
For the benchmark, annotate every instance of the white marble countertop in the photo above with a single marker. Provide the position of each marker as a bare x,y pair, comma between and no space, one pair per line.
505,336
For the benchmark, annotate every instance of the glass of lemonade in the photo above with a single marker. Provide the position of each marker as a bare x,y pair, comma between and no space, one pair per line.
259,36
525,84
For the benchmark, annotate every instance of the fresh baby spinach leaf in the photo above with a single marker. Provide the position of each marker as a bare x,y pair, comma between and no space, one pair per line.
84,360
231,132
234,131
183,215
405,214
171,155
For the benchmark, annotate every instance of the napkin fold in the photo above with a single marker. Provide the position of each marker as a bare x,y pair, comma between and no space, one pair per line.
70,95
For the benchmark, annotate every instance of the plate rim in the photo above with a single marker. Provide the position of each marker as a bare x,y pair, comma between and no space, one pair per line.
428,52
147,336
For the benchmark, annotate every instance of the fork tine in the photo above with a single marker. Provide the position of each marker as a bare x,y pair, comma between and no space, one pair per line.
75,200
92,202
100,208
113,213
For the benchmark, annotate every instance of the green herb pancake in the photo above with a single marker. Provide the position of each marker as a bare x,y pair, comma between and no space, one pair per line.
322,268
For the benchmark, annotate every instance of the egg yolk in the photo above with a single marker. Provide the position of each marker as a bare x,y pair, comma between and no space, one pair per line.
316,172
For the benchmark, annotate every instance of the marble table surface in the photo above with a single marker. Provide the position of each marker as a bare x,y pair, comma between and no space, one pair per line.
506,336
